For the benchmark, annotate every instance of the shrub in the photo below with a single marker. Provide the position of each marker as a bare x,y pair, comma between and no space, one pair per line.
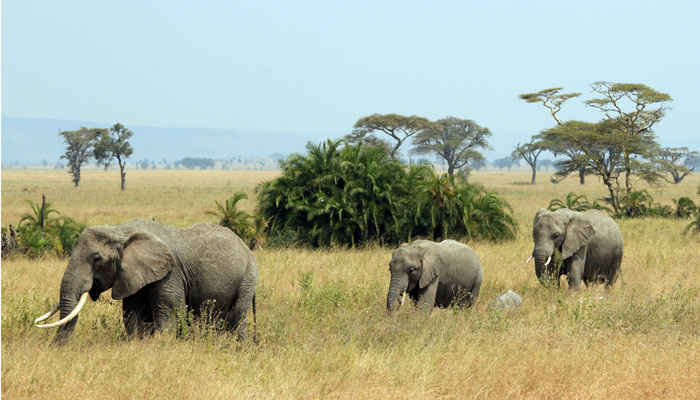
576,202
358,194
240,222
684,208
38,235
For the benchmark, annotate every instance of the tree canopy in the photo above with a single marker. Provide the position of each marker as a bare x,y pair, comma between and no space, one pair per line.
397,127
677,161
79,144
455,141
620,146
553,99
114,144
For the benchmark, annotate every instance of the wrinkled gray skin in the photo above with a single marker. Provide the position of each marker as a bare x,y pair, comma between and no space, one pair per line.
507,301
590,243
155,268
434,274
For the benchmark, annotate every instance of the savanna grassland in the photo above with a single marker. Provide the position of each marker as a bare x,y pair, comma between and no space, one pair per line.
322,322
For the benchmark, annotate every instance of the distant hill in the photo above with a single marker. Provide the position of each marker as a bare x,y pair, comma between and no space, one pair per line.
30,140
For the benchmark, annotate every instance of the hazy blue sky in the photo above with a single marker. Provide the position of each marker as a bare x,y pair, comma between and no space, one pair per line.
312,66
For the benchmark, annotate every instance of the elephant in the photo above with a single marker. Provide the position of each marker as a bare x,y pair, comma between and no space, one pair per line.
156,269
434,274
507,301
590,244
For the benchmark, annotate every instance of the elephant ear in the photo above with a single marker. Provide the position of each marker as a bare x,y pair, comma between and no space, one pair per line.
431,265
144,259
579,231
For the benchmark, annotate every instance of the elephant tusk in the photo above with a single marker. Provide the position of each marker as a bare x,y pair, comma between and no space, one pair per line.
548,260
528,260
48,314
70,316
403,298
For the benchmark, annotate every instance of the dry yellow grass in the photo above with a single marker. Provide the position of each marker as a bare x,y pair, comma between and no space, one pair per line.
322,320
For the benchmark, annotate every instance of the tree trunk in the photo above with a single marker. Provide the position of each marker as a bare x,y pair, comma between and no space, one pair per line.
613,197
76,177
123,176
581,176
450,169
534,174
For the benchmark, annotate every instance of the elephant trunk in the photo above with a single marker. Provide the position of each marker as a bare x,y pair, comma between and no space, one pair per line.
542,269
74,289
397,287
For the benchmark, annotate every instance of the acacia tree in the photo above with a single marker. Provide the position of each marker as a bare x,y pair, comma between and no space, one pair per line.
621,145
114,144
397,127
79,144
631,110
599,153
528,152
678,161
455,141
552,99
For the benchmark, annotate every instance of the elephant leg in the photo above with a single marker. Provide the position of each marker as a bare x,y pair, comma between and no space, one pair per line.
138,319
615,271
576,269
166,299
236,318
426,298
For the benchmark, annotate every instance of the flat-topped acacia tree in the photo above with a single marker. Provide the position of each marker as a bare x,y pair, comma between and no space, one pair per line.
622,145
397,127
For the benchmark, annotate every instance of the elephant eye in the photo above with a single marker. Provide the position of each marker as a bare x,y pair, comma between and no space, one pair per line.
556,235
411,269
96,258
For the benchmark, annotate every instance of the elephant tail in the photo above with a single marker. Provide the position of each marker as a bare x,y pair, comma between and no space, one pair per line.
255,323
622,278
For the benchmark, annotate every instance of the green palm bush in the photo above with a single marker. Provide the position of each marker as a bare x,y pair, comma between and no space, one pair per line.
576,202
684,208
356,194
240,222
51,232
573,202
35,219
637,203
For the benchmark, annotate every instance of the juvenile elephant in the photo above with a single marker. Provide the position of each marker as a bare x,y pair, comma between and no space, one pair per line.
155,269
434,274
590,244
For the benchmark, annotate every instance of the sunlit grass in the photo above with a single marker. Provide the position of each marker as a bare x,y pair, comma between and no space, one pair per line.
324,331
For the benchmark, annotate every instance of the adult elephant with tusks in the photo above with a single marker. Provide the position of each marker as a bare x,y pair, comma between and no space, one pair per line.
434,274
590,244
156,269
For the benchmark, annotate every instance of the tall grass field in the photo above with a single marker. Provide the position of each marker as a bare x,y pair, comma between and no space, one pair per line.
322,321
